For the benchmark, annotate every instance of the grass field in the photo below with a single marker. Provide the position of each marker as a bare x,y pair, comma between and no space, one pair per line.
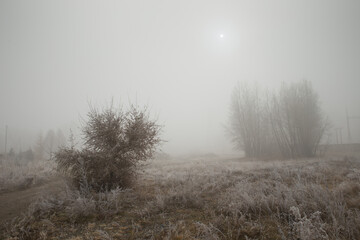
17,176
208,197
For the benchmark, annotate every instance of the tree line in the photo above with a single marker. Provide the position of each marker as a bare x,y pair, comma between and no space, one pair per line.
43,149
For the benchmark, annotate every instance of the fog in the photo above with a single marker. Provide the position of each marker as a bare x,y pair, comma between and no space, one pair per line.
182,59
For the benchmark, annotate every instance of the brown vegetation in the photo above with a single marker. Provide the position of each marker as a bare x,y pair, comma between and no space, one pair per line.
209,199
115,142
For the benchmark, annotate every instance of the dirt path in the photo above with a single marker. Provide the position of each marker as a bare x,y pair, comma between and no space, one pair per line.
12,204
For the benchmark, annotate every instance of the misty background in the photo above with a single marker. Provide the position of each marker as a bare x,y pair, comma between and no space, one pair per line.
180,58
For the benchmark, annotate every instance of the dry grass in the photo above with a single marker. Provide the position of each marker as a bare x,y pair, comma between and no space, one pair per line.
15,176
210,199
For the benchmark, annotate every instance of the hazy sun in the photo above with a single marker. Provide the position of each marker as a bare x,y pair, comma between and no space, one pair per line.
221,35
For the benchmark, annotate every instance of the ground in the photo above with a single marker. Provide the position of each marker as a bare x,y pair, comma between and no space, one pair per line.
208,197
13,203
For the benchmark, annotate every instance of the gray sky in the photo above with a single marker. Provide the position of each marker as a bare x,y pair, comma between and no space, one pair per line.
56,56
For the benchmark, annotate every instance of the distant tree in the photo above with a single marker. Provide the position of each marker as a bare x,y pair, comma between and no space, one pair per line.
115,143
60,139
248,123
25,156
297,120
29,154
50,143
39,148
11,155
290,119
71,139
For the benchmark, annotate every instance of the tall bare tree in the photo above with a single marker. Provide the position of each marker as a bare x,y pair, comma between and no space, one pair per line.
297,120
249,127
290,118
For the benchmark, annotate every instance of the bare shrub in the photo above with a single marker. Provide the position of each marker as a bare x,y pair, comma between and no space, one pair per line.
115,143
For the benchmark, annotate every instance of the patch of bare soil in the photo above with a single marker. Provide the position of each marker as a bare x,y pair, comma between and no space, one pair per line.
14,203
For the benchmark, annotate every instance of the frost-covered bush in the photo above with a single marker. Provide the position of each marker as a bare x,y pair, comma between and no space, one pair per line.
115,143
